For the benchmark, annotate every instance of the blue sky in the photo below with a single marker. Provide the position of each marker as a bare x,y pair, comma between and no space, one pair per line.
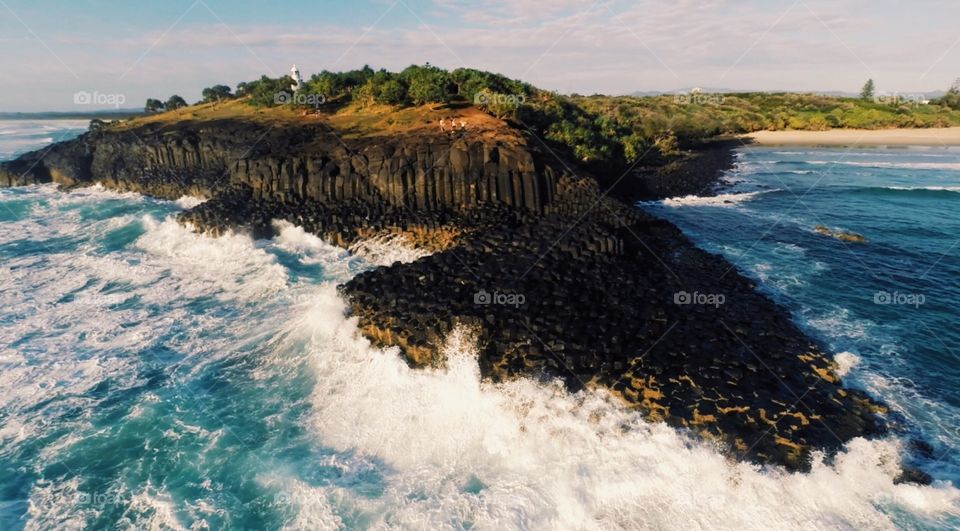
52,49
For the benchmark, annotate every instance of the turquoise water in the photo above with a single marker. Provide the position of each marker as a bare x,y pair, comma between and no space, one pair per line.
891,302
155,378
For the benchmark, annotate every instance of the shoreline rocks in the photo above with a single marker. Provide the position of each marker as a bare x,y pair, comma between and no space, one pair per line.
557,278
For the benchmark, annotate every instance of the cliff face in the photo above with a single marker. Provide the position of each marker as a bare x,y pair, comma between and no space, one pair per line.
302,164
67,163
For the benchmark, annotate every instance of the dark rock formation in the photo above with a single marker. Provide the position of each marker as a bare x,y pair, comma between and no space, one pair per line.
309,163
556,278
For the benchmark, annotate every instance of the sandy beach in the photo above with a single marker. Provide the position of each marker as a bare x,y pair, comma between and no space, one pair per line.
949,136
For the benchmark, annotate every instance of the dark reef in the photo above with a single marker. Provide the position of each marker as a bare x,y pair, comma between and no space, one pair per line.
554,270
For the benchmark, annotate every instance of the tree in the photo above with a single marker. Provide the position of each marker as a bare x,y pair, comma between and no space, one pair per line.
427,84
216,93
952,98
153,105
266,92
329,84
356,78
391,92
175,102
868,90
459,77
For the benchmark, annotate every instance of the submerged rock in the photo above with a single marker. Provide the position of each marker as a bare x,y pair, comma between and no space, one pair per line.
851,237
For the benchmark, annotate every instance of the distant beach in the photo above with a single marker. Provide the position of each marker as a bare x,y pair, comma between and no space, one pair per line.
946,136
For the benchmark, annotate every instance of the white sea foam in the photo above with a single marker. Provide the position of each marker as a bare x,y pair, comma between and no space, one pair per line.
846,361
227,265
782,279
453,451
56,505
76,318
840,323
722,200
388,249
944,166
17,136
149,509
456,451
187,202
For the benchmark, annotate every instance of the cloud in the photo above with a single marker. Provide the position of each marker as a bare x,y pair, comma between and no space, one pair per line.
585,46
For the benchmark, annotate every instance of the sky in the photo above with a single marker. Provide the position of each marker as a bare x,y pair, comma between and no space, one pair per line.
120,52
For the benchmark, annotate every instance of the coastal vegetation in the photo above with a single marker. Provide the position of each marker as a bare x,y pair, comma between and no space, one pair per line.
597,130
952,98
173,103
869,90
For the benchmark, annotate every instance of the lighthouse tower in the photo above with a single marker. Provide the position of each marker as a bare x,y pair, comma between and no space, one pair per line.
295,76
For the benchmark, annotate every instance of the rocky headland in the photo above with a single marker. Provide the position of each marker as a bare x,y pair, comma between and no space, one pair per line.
553,269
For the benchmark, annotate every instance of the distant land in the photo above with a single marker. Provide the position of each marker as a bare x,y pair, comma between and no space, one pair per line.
109,114
929,94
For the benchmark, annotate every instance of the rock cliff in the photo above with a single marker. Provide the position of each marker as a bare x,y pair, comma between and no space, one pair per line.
308,163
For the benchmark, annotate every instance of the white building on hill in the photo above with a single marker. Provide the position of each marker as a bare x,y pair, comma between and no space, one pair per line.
295,76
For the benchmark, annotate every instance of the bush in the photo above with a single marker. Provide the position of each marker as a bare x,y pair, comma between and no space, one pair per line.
668,144
391,92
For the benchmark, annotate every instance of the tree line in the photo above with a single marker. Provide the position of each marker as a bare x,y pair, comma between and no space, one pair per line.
604,132
215,93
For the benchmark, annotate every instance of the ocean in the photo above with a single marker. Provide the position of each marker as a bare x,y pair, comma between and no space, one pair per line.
155,378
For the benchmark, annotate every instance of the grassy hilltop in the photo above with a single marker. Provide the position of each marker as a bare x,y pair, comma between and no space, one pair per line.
603,131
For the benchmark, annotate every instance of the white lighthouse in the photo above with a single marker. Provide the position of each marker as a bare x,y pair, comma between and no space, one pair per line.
297,80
